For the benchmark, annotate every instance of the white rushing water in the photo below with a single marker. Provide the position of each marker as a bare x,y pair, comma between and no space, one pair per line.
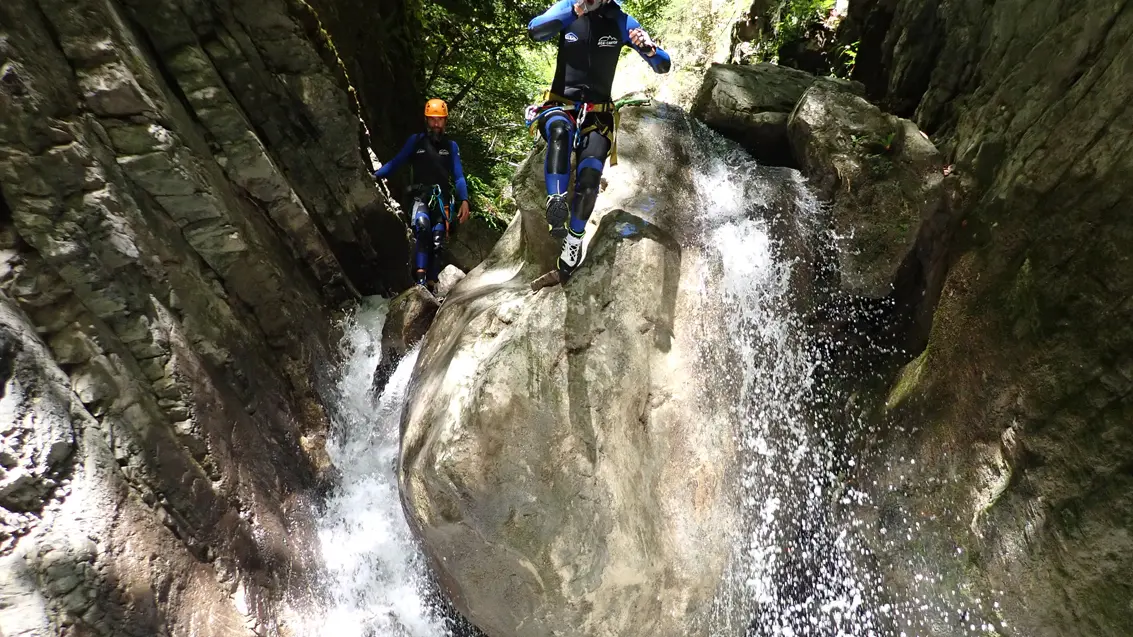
800,566
377,583
793,572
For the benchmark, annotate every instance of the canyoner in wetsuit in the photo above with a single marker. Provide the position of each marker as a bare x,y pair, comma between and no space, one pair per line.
434,162
577,113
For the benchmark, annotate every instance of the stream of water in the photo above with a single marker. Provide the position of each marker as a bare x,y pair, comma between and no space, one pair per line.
377,584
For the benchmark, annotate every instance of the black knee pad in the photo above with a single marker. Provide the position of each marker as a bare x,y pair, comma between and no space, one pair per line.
558,132
586,191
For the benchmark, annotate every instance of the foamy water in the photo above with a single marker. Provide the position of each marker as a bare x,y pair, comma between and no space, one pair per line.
377,585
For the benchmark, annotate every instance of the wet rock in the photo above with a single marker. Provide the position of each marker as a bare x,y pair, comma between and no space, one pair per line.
448,278
183,203
549,460
750,104
1014,412
410,315
882,175
37,435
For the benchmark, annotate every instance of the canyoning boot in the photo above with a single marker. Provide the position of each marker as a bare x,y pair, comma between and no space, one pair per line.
570,256
558,211
567,262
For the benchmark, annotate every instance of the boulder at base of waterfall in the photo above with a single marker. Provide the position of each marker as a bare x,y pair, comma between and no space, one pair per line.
472,242
410,315
751,105
448,279
559,460
882,175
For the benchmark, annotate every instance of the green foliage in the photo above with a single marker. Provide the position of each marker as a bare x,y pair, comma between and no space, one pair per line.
798,16
488,203
792,20
648,12
479,59
847,59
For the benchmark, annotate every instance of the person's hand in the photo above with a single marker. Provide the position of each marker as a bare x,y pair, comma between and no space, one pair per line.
641,39
465,211
586,6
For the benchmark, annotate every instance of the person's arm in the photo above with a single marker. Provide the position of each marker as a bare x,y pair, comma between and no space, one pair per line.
635,37
461,184
400,158
560,16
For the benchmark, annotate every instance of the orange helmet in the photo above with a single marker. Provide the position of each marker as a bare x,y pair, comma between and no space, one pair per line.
436,108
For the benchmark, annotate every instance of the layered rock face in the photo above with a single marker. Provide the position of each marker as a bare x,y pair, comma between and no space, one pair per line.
377,42
183,201
567,459
1018,411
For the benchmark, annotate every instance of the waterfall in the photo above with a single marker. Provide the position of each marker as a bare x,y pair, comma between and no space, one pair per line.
793,572
800,565
376,583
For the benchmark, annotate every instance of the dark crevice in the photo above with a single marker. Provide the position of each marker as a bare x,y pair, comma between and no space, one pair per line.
149,48
9,349
868,22
6,218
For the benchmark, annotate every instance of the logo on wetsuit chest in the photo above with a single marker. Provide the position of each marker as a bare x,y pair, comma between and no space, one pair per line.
440,151
608,41
570,37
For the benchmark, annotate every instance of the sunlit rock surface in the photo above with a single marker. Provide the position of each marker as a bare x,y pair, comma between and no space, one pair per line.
558,460
183,202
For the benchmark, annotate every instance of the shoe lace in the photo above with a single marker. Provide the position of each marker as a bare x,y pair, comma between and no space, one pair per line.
573,246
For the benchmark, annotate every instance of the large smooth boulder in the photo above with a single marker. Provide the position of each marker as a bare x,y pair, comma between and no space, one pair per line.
562,461
751,105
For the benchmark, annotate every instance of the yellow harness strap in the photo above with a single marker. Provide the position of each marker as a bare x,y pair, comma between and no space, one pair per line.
602,107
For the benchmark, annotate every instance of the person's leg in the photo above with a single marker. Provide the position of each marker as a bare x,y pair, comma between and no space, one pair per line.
424,242
591,161
438,222
558,130
435,262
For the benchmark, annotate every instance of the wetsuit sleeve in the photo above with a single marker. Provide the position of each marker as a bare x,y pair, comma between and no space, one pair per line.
458,174
400,158
659,61
560,16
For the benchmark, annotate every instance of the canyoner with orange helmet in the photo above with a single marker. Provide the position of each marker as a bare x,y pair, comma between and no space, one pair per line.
437,183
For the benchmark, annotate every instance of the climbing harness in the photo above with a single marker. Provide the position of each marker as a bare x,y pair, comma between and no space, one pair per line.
434,199
577,113
437,202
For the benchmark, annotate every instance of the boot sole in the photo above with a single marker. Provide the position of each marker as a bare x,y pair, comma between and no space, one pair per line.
557,216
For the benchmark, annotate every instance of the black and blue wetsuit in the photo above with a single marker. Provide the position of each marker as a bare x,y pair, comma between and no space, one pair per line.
433,163
589,49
